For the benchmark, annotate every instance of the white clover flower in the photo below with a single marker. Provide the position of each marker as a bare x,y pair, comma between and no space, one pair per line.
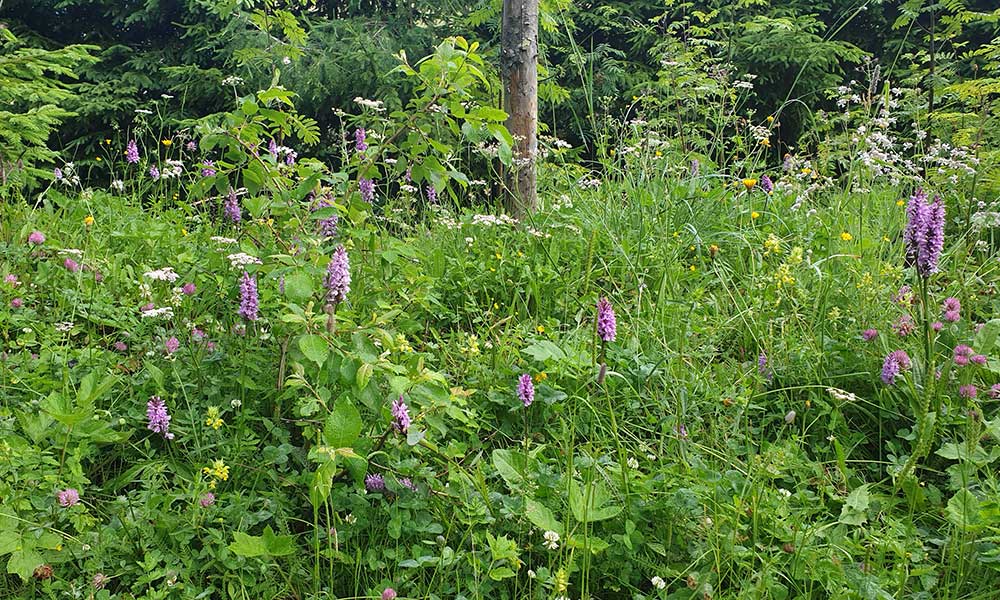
658,582
632,463
64,326
551,540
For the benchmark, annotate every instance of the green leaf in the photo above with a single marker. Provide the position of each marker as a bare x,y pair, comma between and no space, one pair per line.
23,562
544,351
298,286
315,348
963,510
855,509
62,409
278,545
501,573
511,465
591,503
541,517
343,425
247,545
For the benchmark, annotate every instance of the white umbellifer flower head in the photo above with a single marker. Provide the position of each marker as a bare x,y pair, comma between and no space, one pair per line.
66,326
241,259
658,582
165,312
164,274
218,239
551,540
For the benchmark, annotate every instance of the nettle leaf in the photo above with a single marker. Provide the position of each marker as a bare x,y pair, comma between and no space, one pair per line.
343,425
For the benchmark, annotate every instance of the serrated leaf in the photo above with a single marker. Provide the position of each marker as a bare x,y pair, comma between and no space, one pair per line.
343,425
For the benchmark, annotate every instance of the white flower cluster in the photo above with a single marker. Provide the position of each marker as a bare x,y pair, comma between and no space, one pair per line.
164,274
490,220
165,312
376,105
241,259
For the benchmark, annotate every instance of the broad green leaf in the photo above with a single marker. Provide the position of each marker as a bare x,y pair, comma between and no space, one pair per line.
511,465
23,562
541,517
247,545
591,503
315,348
855,509
298,286
963,510
343,425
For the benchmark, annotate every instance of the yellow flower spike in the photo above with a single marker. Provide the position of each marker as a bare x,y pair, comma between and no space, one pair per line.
167,143
846,236
88,220
748,183
754,215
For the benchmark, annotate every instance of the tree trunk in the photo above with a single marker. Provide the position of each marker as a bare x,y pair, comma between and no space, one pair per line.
519,65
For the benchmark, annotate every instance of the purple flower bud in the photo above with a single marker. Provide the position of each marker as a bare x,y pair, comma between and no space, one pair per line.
526,389
869,334
154,172
359,140
172,345
367,188
389,594
132,152
607,325
208,169
766,184
231,208
249,302
967,391
962,354
158,417
400,415
36,238
924,233
207,500
895,363
375,483
338,277
189,289
71,265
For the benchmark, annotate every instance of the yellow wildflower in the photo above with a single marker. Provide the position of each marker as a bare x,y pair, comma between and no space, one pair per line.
167,143
98,159
754,215
214,420
540,329
846,236
217,471
766,142
772,245
748,183
88,220
770,119
692,268
107,141
900,202
540,377
184,232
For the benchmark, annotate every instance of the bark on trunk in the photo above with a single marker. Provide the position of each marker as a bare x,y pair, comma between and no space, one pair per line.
519,65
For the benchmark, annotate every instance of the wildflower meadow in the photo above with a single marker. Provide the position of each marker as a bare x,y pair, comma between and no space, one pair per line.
294,307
